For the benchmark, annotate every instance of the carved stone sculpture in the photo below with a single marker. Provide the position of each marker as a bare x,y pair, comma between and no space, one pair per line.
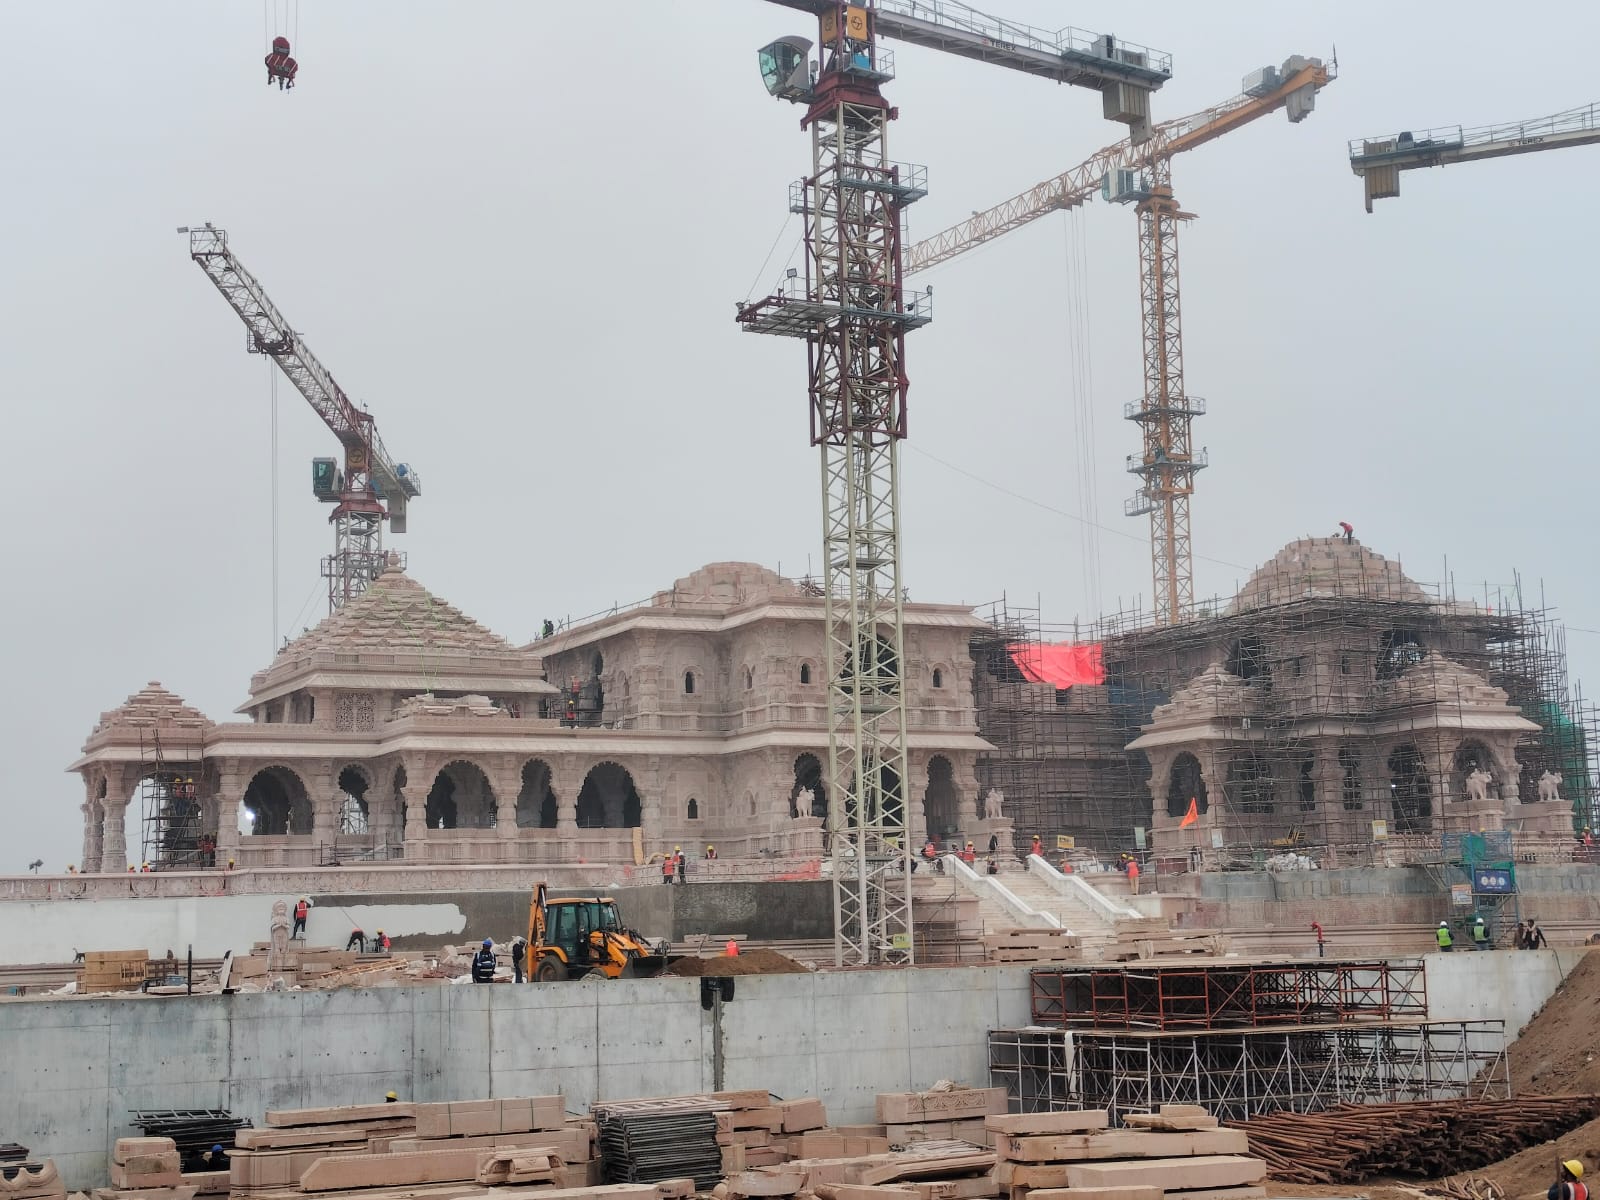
992,805
1478,784
803,801
1550,786
280,936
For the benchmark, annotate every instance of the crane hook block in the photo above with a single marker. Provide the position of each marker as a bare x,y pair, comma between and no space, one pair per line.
281,69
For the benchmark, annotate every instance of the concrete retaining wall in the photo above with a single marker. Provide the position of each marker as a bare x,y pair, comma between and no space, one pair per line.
75,1067
50,930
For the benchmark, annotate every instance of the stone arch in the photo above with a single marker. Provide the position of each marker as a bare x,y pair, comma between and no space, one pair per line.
461,798
749,678
536,800
938,678
808,774
807,674
689,682
608,798
941,802
692,812
1410,791
354,814
1186,782
1305,785
278,803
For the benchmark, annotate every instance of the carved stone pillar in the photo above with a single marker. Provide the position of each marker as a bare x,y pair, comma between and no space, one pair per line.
323,785
413,797
506,782
93,822
231,784
114,851
566,780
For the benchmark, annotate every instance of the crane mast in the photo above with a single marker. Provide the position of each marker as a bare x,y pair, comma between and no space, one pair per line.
1379,161
369,478
1128,172
850,306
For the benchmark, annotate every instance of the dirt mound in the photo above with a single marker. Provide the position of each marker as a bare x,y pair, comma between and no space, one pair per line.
1558,1053
747,962
1527,1175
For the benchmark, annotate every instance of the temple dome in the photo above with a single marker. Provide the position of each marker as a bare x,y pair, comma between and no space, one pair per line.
153,706
1317,568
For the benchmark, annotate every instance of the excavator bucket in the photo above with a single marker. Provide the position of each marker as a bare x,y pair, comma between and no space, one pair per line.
645,966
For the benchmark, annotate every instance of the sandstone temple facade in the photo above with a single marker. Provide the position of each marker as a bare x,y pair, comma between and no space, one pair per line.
400,729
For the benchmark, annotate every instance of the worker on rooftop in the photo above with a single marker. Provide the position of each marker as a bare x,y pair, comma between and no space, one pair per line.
683,864
357,940
1569,1183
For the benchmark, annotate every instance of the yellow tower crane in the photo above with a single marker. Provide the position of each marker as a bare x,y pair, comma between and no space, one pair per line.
1141,174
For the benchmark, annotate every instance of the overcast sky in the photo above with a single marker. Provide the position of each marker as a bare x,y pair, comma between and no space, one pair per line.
517,232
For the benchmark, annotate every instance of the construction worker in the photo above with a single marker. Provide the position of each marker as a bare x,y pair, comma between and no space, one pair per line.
667,863
1133,876
214,1158
993,867
357,940
711,853
731,949
968,854
483,962
1037,845
682,864
994,843
1348,530
519,954
380,942
1535,935
1569,1183
302,908
1442,935
390,1098
1480,933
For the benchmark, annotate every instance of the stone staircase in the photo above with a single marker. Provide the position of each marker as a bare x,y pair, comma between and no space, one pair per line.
1039,902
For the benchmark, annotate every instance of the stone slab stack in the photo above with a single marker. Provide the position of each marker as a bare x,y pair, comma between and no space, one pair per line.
931,1171
521,1126
1151,937
1033,946
1178,1152
146,1168
940,1115
273,1159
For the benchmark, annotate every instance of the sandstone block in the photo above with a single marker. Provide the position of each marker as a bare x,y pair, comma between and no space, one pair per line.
208,1183
121,1177
1024,1124
817,1145
751,1098
1120,1143
126,1148
340,1115
392,1170
1104,1193
801,1115
767,1181
906,1107
1238,1193
675,1189
1188,1174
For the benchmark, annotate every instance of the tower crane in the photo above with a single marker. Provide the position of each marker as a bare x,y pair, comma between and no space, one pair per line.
1130,173
371,488
851,309
1379,161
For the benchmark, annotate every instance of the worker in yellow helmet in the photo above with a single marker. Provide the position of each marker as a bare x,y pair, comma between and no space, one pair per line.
1569,1183
680,862
711,852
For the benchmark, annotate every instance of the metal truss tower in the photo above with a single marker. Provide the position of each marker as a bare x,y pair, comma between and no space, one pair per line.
851,310
1167,467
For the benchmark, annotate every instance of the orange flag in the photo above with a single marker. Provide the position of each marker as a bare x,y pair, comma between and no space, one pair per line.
1193,815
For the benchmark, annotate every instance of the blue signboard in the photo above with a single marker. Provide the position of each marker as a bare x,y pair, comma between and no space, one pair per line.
1495,881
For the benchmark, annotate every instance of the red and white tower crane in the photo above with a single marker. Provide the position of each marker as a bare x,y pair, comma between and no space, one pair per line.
850,307
371,488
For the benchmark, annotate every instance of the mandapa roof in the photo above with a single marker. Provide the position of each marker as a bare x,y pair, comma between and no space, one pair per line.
1321,567
396,613
151,705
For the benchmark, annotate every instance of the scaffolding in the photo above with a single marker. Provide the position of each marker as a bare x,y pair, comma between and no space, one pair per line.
170,807
1165,998
1338,705
1240,1073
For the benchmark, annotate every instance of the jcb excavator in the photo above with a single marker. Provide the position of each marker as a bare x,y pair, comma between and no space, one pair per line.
570,937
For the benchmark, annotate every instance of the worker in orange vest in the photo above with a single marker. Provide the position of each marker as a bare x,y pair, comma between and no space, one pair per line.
667,863
731,949
1038,845
969,855
1133,875
302,908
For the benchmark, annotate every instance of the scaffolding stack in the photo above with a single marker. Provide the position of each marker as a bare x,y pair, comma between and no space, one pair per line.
1280,666
1242,1040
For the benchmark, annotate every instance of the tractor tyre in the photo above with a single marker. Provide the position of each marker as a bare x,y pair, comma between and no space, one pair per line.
549,970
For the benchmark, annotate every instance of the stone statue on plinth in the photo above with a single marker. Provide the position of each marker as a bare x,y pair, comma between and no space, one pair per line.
1549,786
1478,784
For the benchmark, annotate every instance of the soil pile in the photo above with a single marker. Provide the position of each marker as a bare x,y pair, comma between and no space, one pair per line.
1526,1176
746,962
1558,1053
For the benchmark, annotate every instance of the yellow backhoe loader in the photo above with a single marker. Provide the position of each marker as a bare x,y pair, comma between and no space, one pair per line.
573,936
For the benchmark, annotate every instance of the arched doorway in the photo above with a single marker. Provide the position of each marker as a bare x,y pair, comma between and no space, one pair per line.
1410,791
940,802
460,798
1185,783
354,817
276,803
887,806
608,798
536,801
808,774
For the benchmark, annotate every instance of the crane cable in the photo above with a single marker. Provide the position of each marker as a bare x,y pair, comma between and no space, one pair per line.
272,388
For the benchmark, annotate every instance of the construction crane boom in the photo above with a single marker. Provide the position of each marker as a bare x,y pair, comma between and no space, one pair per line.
1379,161
1074,187
1142,175
1123,72
371,479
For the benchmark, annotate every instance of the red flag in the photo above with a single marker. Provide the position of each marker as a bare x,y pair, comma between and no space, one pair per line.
1193,815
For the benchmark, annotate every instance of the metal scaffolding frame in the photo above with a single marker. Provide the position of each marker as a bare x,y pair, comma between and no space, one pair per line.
1163,998
1236,1074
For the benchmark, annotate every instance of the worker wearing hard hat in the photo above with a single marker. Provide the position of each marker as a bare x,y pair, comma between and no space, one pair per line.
1569,1183
681,862
1442,934
390,1098
711,852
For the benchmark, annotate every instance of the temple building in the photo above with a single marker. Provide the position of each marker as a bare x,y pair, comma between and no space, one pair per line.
400,729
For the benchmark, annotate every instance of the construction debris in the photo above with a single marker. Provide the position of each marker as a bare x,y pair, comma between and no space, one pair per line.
1418,1139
